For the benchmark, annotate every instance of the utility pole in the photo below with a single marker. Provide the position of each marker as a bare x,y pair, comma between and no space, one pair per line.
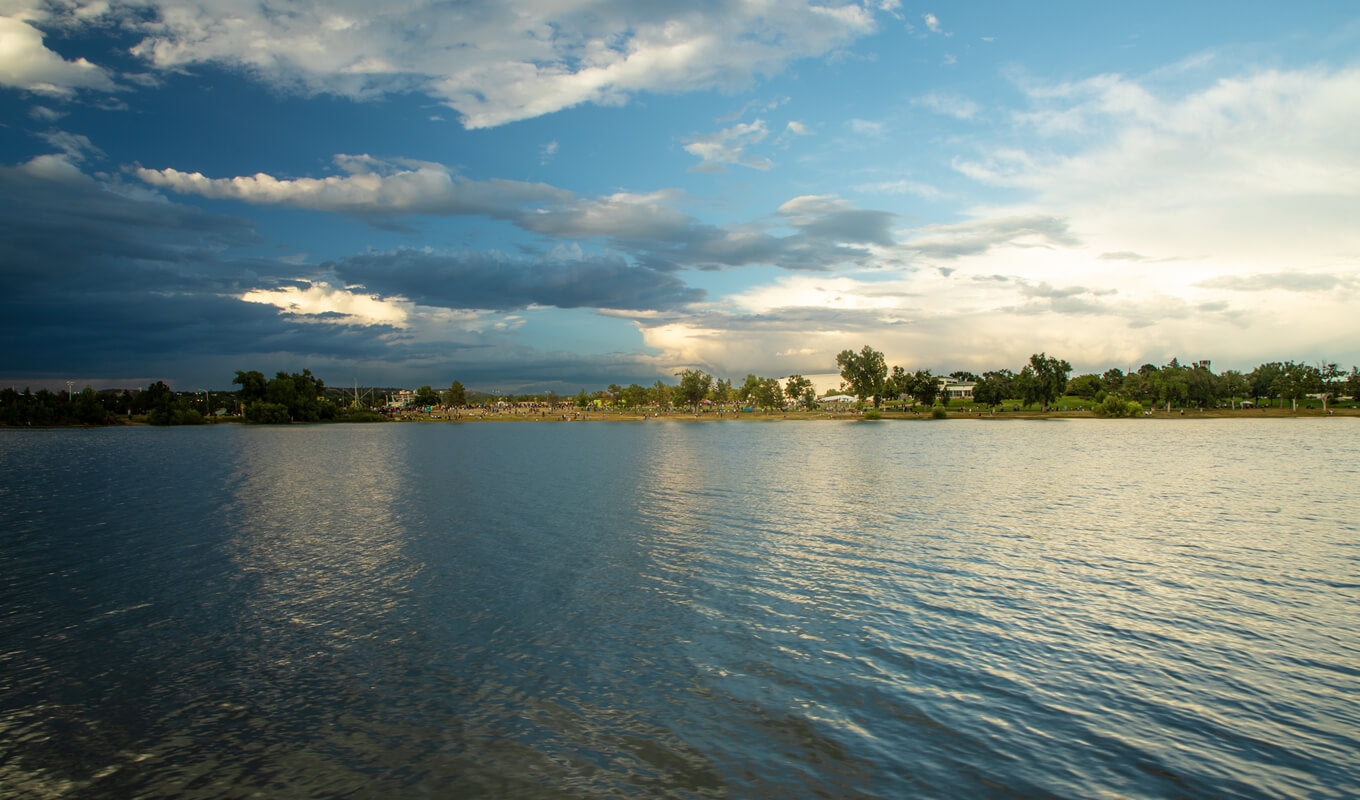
69,386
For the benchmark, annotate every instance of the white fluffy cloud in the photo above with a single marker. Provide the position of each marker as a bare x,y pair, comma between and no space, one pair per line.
26,63
728,146
1218,223
370,188
494,61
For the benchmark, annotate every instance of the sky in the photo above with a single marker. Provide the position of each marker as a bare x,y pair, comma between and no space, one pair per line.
530,195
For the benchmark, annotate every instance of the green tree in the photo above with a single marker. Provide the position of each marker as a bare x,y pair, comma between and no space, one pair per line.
1203,387
88,409
897,384
1087,386
456,396
768,394
1027,386
252,385
722,391
1050,375
799,390
1263,380
426,396
864,372
1173,387
1295,382
925,387
1233,384
1353,384
263,412
694,387
1327,382
635,396
994,388
583,400
747,388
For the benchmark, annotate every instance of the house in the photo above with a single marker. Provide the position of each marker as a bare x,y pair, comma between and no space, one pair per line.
955,390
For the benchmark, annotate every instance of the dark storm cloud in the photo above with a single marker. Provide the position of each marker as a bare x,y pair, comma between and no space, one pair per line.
491,281
827,232
93,276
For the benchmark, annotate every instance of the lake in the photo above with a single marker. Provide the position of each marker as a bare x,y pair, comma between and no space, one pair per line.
969,608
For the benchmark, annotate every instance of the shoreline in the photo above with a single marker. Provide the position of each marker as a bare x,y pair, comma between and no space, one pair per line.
887,416
777,416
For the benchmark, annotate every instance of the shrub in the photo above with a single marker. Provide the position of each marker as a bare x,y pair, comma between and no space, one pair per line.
1116,406
873,413
938,412
359,415
267,413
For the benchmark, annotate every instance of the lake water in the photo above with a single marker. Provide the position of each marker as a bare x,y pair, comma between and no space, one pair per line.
1077,609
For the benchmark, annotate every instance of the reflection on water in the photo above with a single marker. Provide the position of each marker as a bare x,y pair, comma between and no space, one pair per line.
994,609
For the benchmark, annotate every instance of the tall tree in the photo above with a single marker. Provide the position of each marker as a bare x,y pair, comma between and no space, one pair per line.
722,390
694,387
799,390
426,396
1295,382
898,384
1027,386
1264,378
864,372
925,387
1087,386
1051,376
1233,384
994,388
767,394
1327,380
252,385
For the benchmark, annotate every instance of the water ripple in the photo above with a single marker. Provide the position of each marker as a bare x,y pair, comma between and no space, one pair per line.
1090,610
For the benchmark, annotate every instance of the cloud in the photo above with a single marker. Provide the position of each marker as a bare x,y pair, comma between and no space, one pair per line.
981,236
494,61
564,278
729,147
97,277
827,217
1282,281
26,63
1236,187
828,232
45,114
932,22
547,151
951,105
867,128
372,189
75,147
902,186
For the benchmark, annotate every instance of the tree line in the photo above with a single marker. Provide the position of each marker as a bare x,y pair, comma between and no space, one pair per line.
303,397
158,403
1045,378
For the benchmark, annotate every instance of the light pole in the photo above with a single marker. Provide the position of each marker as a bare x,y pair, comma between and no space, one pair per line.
69,386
